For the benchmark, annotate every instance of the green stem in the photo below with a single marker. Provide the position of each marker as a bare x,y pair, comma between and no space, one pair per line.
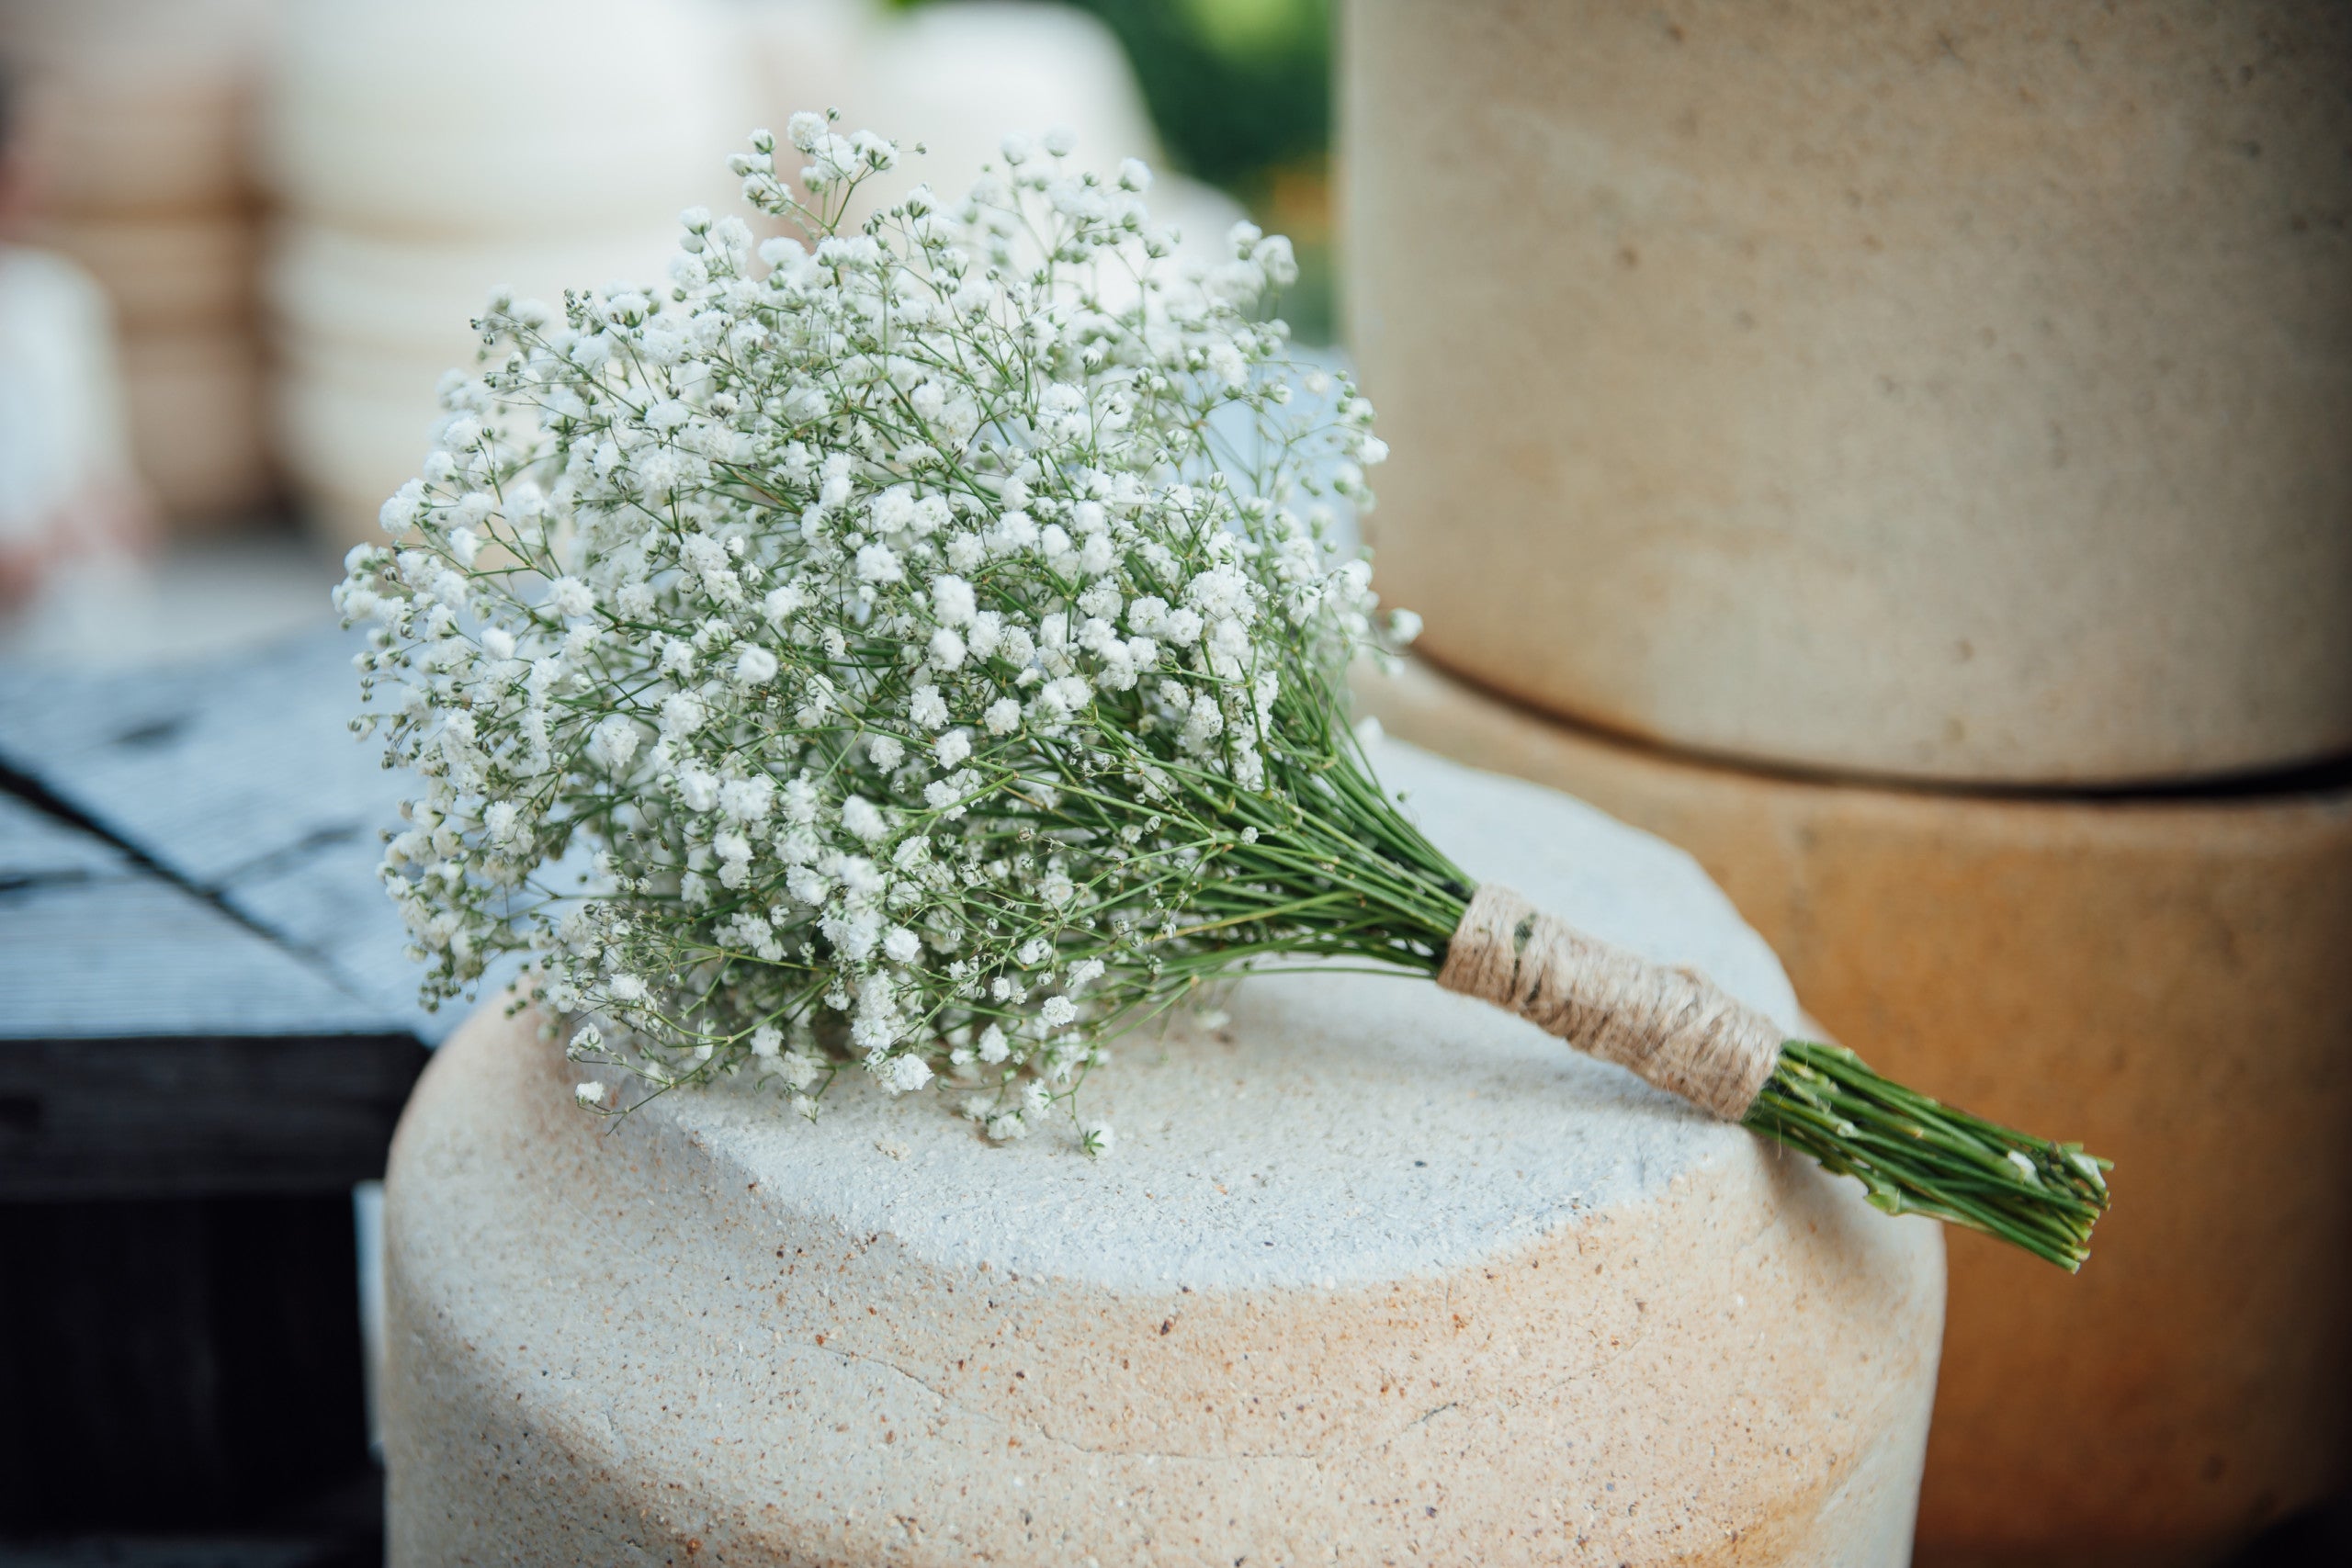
1913,1155
1917,1155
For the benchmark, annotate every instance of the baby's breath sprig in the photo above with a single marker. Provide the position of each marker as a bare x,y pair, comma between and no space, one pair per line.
916,648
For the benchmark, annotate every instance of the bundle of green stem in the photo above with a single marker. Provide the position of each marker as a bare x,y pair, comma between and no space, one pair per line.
922,651
1334,870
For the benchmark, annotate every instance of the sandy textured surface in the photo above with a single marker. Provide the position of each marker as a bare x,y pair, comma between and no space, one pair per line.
2162,978
1952,391
1375,1275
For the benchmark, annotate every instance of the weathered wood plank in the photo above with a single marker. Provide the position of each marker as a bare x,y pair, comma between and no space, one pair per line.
209,769
132,956
240,779
36,847
193,1116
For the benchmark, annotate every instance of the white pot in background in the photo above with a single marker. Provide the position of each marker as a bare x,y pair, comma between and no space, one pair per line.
526,118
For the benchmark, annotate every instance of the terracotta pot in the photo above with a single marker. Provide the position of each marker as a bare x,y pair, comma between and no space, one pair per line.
1954,391
2161,978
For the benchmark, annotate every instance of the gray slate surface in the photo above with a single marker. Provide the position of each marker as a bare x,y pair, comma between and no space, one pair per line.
240,782
201,983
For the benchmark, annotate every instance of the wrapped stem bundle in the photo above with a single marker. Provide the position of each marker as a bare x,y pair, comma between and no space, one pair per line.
918,648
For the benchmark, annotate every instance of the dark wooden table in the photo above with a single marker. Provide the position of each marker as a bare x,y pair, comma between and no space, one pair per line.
207,1033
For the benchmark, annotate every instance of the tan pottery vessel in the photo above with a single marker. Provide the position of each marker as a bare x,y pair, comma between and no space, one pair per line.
2161,978
1951,391
1375,1274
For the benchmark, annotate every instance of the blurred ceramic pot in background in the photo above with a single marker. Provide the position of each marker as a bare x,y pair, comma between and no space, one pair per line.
1956,392
427,150
137,128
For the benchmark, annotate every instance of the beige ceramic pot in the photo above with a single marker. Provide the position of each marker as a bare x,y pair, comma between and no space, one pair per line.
1376,1274
2162,978
1951,390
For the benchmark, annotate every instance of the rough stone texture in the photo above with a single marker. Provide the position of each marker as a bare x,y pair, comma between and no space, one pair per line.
2163,979
1375,1275
1951,391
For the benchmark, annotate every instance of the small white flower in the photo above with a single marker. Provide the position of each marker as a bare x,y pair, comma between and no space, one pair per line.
755,665
683,712
613,742
905,1074
569,597
590,1093
863,818
697,788
748,799
952,600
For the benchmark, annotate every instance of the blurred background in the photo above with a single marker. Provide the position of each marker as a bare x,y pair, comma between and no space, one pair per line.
245,236
1901,454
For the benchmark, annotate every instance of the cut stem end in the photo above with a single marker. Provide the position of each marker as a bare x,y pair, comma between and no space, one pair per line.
1917,1155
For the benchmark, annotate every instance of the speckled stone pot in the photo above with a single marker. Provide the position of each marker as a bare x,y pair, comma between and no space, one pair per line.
1376,1275
2163,979
1956,390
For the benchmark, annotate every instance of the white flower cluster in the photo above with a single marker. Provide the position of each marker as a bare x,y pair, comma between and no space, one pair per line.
876,633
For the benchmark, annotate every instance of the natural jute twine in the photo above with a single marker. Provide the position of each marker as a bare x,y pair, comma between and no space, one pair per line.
1674,1027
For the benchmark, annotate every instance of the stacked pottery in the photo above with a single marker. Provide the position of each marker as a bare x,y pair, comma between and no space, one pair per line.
954,79
143,138
426,151
1955,397
1376,1273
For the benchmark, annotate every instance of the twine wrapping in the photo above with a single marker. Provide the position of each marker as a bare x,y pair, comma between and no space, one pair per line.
1675,1027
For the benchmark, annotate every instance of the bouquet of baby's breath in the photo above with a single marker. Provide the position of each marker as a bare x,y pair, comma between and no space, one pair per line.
918,650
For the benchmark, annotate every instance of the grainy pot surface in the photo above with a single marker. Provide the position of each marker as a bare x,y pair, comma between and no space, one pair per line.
1957,390
2163,979
1376,1274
